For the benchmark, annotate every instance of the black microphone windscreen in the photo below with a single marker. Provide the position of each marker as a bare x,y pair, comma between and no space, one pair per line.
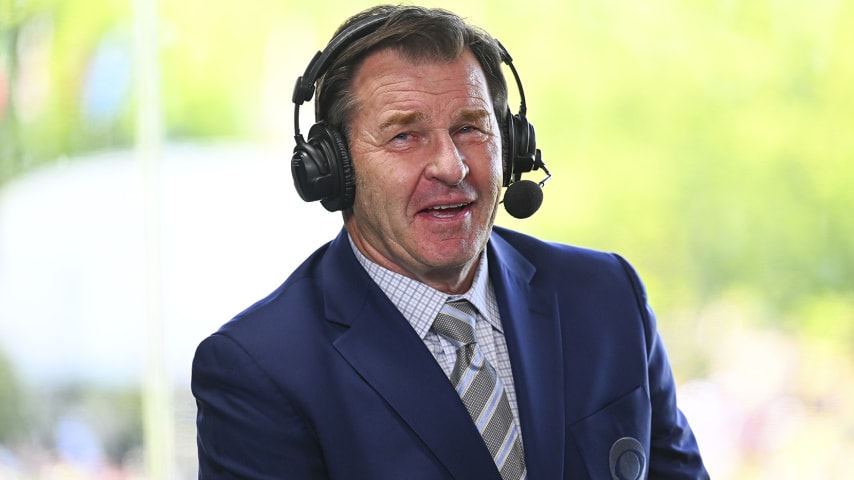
523,198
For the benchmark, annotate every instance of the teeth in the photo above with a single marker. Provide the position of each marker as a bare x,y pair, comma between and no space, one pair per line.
448,207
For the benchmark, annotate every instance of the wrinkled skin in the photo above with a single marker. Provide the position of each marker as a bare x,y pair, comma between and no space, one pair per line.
426,151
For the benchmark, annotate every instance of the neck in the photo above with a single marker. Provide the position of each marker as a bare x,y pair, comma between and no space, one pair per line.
452,280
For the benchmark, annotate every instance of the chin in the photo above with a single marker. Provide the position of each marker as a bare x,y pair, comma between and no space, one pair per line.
458,255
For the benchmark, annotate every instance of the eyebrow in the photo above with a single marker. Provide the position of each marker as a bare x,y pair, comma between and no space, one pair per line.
409,118
473,115
398,119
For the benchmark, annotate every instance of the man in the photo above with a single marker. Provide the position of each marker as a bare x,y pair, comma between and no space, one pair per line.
422,342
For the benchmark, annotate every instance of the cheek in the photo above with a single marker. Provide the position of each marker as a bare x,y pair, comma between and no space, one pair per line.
496,165
380,184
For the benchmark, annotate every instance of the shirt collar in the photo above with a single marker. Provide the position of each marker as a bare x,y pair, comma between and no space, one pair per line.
419,303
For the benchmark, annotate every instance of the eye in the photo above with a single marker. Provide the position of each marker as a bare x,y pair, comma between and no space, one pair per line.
470,133
402,140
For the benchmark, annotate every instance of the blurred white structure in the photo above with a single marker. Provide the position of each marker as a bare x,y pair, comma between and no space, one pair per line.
71,256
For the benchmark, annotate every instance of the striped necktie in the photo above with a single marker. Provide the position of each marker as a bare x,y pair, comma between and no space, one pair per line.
482,390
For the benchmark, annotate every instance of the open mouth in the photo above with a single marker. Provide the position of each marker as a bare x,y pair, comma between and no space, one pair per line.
446,211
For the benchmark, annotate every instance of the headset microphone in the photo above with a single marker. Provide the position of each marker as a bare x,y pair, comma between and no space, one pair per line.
524,197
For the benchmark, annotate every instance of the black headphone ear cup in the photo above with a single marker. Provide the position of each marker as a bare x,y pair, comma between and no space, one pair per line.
519,147
309,170
341,163
322,169
523,147
508,147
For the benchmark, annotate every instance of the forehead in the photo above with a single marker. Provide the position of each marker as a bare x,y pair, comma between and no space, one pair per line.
388,79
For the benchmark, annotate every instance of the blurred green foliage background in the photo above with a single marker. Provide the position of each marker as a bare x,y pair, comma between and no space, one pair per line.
708,141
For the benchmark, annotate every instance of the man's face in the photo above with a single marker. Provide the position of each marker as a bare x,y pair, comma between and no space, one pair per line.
426,151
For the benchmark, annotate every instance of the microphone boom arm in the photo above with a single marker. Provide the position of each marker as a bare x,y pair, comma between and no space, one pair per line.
538,163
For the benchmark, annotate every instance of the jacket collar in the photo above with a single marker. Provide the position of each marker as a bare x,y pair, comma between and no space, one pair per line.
530,315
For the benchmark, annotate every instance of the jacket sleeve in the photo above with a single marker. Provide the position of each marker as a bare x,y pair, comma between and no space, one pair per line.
238,407
674,453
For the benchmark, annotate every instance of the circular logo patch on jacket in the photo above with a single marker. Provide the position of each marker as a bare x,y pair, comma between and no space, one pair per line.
627,460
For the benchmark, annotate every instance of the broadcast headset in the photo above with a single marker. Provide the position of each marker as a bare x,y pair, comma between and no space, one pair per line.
321,165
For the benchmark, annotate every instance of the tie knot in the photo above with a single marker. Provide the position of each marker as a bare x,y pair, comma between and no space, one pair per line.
456,322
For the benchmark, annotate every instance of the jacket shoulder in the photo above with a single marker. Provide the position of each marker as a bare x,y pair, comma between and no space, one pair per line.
573,272
548,256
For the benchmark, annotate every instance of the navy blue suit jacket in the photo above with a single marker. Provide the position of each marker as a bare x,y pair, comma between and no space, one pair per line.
324,378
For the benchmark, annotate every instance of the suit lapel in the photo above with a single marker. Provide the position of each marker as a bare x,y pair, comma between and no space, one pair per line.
532,329
384,349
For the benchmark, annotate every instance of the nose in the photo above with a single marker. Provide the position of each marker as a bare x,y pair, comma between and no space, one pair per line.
447,163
